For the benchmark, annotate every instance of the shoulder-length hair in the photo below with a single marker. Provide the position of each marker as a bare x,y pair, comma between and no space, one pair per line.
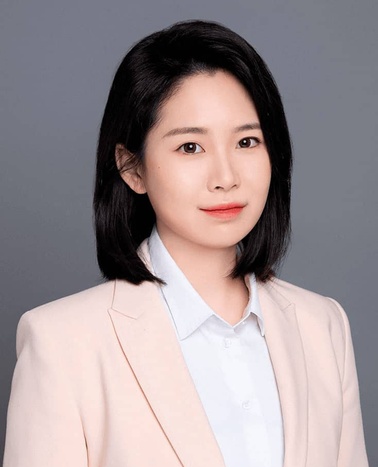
148,75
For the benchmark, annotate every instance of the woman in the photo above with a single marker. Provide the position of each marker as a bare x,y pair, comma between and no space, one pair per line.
191,352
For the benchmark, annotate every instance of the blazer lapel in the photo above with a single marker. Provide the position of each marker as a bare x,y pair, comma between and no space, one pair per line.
150,345
288,360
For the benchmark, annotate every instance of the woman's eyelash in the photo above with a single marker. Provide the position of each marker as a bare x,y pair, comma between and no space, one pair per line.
191,145
253,138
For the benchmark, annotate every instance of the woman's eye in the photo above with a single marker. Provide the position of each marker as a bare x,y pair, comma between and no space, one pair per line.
190,148
250,142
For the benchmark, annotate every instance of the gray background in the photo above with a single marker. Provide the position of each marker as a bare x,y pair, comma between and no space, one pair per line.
57,63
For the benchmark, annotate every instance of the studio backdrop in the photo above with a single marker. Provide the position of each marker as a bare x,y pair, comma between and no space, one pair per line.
57,63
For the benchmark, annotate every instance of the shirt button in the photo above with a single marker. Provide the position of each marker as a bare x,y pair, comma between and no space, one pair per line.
246,404
227,342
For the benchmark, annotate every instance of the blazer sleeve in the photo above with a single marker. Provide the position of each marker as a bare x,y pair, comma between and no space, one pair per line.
352,450
43,423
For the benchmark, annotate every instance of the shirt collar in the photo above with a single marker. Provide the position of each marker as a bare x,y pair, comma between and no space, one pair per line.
187,307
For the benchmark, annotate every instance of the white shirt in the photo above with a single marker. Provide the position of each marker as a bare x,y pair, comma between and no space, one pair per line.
230,367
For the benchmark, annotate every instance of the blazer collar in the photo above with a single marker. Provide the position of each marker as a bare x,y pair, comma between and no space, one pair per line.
150,345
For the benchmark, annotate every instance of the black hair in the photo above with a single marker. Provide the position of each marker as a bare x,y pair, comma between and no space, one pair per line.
147,76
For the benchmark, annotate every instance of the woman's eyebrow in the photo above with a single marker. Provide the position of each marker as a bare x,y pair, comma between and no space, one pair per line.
203,131
248,126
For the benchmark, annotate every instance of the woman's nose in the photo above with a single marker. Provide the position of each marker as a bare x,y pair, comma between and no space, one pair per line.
223,174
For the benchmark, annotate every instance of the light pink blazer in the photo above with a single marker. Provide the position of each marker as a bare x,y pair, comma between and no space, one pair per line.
100,381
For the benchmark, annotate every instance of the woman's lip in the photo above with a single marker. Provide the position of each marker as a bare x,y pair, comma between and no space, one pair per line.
224,207
228,211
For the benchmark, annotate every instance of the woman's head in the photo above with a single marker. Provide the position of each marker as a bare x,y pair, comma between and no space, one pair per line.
156,73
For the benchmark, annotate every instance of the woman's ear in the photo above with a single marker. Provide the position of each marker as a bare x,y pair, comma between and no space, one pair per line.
129,169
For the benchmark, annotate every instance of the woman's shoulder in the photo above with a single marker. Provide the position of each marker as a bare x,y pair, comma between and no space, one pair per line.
295,292
69,325
308,303
77,309
322,320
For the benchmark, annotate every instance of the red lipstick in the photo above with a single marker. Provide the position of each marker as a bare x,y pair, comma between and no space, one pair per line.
224,211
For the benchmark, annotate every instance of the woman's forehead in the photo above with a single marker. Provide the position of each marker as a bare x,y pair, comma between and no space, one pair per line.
207,100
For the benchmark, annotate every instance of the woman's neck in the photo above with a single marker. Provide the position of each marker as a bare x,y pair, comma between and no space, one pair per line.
208,270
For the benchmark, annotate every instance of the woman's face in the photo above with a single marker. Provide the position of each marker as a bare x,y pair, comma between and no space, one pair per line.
207,151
